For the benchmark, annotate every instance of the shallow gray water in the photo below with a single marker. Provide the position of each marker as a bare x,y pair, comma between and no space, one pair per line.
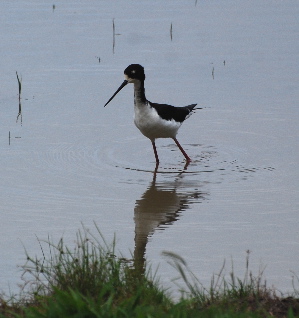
70,160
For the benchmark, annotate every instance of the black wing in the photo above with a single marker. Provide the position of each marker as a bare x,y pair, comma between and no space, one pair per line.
169,112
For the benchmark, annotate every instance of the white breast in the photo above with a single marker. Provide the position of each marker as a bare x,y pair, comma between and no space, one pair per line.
152,125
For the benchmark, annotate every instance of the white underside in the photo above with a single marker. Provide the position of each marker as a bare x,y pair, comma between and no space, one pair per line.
152,125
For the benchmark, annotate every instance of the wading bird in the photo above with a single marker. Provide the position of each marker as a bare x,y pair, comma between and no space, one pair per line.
154,120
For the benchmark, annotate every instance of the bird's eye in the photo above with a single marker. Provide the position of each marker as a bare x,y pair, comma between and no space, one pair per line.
133,72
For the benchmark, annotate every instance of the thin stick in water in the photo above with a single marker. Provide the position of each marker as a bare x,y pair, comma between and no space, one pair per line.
20,84
113,26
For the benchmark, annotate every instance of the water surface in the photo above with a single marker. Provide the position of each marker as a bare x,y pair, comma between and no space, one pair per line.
70,160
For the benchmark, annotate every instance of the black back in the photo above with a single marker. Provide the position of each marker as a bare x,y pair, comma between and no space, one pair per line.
169,112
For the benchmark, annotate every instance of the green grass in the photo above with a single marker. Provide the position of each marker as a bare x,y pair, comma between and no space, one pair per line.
91,281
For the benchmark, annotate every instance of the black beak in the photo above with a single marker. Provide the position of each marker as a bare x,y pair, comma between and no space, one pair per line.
125,82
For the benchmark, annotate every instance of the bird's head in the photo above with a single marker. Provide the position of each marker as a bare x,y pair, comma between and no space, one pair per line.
133,73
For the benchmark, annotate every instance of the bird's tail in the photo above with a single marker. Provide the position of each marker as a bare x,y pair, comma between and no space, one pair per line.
191,107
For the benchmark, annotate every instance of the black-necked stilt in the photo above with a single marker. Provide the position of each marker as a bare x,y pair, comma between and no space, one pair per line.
154,120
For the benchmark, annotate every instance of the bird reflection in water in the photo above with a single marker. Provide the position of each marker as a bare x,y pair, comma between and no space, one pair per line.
159,207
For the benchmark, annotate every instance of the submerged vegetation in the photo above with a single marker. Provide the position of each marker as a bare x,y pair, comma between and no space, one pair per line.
91,281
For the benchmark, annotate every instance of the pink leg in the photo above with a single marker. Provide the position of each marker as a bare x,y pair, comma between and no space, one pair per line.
155,151
182,150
